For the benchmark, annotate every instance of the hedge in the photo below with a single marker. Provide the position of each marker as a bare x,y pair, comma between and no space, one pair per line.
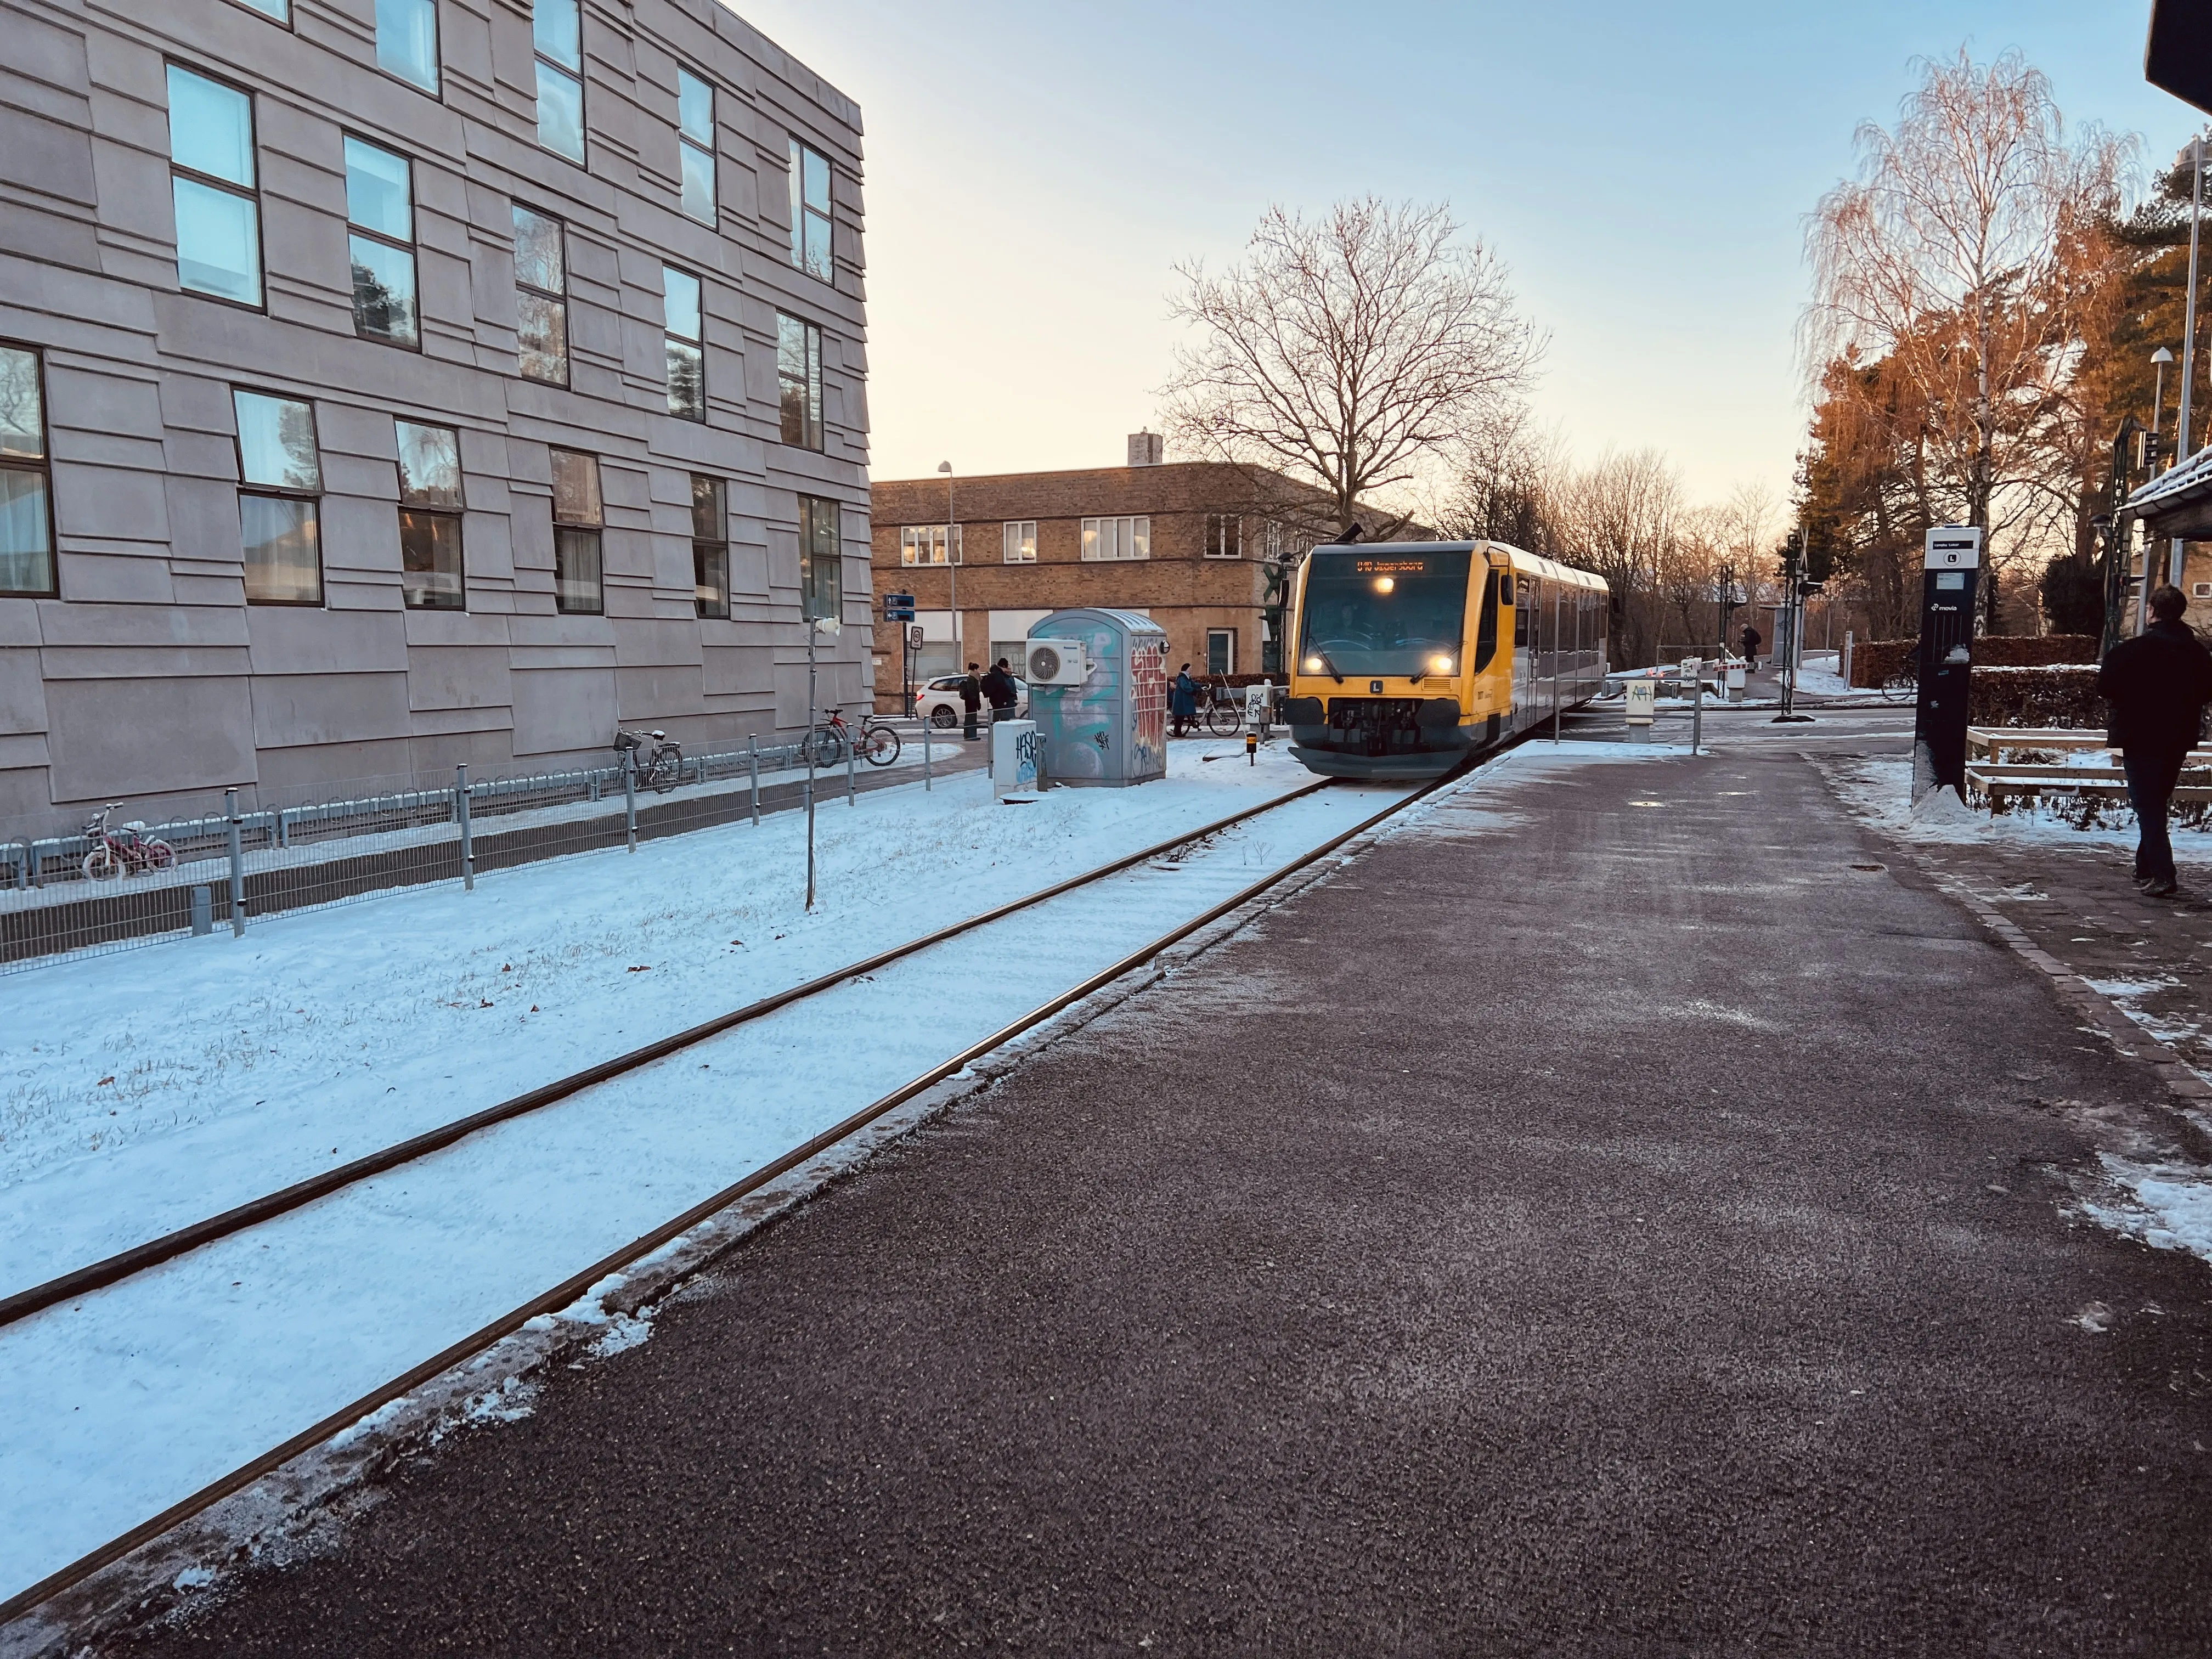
2065,697
1877,659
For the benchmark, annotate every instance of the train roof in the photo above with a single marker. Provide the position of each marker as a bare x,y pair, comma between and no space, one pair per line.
1528,563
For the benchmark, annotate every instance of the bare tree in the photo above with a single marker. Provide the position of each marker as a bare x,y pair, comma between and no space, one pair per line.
1966,257
1351,352
1620,519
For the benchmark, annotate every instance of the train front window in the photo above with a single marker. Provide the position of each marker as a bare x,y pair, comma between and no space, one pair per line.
1400,614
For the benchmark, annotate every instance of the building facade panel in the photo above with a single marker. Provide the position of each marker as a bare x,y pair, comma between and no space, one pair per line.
152,564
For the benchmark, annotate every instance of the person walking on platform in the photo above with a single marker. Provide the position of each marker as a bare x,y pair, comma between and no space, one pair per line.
2155,687
1182,699
999,688
971,699
1750,649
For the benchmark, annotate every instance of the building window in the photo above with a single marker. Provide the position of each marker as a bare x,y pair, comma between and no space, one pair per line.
1117,538
211,178
380,238
821,580
556,29
280,476
430,574
809,211
1221,650
687,360
1224,536
710,545
407,41
799,380
925,543
694,122
541,296
1018,541
577,514
26,522
279,9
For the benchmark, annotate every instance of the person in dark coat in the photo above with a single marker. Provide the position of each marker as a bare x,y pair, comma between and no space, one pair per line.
1750,647
999,687
971,699
2155,687
1182,699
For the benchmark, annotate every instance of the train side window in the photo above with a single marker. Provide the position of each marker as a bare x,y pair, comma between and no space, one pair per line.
1485,633
1523,608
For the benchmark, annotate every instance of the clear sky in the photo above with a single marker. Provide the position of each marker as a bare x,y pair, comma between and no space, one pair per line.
1035,166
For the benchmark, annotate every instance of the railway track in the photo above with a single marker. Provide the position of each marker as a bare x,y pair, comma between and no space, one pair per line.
124,1265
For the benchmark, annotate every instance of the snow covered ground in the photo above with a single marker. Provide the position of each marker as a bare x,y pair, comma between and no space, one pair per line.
1878,789
147,1090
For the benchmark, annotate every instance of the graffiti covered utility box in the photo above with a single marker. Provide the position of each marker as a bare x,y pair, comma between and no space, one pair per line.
1104,721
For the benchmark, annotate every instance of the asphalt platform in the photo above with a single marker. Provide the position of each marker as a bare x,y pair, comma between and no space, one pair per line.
1629,1213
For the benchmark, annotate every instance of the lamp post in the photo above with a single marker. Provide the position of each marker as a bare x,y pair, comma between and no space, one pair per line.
2159,359
2176,553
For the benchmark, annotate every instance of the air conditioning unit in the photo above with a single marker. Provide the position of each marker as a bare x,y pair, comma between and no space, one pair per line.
1055,662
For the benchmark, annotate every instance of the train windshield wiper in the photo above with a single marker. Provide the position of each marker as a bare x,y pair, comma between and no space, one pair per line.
1328,665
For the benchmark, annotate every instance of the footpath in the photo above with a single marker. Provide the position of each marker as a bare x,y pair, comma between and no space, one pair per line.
1630,1210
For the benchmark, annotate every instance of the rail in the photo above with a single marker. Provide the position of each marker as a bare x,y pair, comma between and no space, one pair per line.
24,1303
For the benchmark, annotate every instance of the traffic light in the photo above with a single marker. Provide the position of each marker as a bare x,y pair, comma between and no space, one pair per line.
1806,590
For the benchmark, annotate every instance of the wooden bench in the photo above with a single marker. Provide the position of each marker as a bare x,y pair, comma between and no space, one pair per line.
2025,782
1993,741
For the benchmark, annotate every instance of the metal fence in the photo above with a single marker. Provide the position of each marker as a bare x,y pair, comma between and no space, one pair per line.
67,892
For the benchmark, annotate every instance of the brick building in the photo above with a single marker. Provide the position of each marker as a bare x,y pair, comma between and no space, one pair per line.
1199,547
385,383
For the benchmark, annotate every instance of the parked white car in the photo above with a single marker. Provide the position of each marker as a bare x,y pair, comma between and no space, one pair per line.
938,701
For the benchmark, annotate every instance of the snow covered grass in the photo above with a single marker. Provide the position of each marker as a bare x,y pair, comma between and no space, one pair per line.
1878,789
323,1035
142,1091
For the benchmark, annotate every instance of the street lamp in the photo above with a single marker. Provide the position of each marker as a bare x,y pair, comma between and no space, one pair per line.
2159,359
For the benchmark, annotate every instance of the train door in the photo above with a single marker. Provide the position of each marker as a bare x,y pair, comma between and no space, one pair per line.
1524,650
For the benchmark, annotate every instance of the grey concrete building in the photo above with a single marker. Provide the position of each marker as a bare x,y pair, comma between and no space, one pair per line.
385,383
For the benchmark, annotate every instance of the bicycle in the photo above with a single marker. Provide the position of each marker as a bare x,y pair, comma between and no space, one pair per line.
125,854
875,741
1220,709
657,763
1902,684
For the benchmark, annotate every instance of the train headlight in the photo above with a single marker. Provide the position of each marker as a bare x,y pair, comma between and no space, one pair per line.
1440,664
1315,666
1385,584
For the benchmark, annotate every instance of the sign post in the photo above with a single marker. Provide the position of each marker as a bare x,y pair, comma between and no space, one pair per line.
1951,571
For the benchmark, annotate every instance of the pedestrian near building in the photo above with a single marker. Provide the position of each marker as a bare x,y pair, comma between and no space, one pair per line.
998,689
971,699
1182,699
1751,647
2155,688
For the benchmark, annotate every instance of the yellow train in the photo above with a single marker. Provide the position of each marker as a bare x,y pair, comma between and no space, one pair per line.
1411,656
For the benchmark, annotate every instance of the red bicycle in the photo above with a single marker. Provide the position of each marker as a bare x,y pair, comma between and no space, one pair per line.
125,853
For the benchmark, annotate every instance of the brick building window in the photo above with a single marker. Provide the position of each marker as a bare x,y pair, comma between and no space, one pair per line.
212,181
407,41
821,577
1224,536
681,306
577,514
799,381
809,211
925,543
541,296
1105,540
710,545
694,144
26,520
556,30
1221,650
380,240
279,499
1019,537
430,573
